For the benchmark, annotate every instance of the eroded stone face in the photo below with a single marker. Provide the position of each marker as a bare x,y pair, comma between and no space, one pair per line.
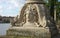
31,15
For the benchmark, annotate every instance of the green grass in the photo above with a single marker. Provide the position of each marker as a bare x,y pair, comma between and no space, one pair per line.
15,37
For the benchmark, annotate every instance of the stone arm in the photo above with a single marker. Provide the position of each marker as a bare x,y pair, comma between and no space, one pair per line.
13,21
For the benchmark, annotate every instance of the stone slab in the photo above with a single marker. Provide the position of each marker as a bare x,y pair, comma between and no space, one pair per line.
36,32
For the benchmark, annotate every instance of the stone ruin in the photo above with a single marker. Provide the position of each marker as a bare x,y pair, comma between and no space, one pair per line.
34,21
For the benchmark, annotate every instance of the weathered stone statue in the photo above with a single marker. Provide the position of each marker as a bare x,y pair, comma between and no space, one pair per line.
34,20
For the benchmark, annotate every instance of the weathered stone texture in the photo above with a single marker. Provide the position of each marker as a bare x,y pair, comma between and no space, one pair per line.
34,20
30,31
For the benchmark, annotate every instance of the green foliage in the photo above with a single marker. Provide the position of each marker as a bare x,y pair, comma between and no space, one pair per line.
58,10
54,4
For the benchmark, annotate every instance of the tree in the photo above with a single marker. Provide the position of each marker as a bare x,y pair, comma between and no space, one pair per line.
58,10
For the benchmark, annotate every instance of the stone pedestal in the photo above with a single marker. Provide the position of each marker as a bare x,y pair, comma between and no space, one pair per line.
33,32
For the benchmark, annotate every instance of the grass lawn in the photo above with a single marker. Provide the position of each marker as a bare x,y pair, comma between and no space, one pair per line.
15,37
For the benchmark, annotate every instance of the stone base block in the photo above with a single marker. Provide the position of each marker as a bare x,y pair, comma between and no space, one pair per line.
32,32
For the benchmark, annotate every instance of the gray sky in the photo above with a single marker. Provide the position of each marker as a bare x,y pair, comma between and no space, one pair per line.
11,7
